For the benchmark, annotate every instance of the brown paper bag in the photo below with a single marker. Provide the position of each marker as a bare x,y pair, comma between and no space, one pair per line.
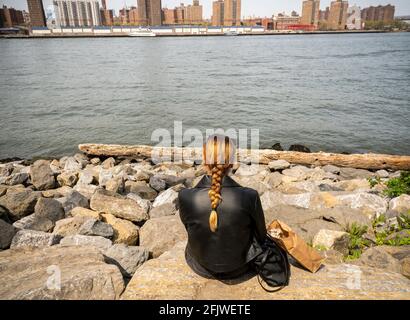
295,245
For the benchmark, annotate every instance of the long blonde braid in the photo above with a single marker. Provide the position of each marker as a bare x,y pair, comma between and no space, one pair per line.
221,151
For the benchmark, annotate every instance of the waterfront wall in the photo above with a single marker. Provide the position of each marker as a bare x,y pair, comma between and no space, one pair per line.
187,30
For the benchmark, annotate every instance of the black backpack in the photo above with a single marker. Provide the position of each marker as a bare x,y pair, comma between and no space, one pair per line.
272,266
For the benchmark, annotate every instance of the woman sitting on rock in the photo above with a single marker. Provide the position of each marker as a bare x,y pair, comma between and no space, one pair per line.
221,217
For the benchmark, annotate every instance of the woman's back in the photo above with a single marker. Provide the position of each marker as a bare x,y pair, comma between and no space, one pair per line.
240,219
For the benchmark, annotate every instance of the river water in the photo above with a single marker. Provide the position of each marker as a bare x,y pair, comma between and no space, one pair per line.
338,93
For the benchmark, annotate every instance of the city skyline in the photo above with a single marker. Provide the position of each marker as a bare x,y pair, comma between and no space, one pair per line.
255,8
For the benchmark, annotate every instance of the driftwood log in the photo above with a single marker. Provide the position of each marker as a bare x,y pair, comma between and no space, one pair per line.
363,161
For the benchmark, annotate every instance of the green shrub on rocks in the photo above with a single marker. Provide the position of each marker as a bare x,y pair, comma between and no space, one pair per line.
398,236
373,181
357,243
398,186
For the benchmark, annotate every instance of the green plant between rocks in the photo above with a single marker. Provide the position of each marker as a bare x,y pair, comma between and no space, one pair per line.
373,181
398,186
356,241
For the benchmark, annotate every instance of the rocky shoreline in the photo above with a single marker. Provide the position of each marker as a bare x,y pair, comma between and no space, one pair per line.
84,227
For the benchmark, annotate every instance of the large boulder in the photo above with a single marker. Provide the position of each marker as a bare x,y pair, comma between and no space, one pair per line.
17,178
49,208
160,234
87,190
7,232
20,203
94,227
98,242
140,188
308,222
57,193
72,200
369,205
42,177
278,165
67,178
167,196
400,204
166,209
58,273
124,231
352,173
327,238
32,238
35,222
169,277
83,212
127,258
385,257
107,202
70,226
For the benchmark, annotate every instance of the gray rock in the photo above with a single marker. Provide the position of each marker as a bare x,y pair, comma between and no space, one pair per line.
58,273
121,207
86,177
6,170
49,208
20,203
34,222
95,161
274,179
81,158
57,193
87,190
7,232
93,227
33,238
71,164
278,165
108,163
142,175
17,178
299,173
115,185
161,234
166,209
67,178
170,180
127,258
169,277
157,183
331,169
351,173
80,240
104,176
329,187
145,204
327,238
70,226
167,196
379,257
400,204
140,188
73,200
382,174
42,177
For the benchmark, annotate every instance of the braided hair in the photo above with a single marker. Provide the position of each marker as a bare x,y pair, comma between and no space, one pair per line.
219,155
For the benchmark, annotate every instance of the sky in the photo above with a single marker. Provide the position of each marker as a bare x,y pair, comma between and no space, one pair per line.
262,8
